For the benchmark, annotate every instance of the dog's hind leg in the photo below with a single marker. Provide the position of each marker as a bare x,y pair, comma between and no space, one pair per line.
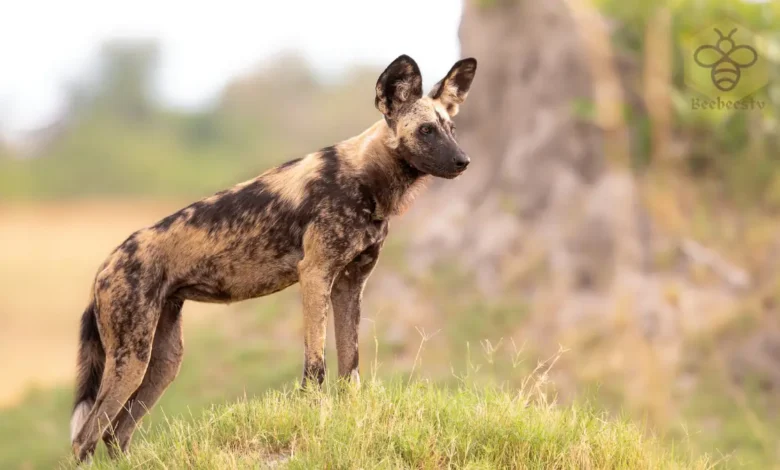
167,353
127,333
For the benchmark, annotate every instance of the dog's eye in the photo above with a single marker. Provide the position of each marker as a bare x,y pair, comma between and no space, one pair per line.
452,129
426,129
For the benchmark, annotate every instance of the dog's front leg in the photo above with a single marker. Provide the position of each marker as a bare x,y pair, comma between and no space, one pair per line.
325,254
316,284
346,298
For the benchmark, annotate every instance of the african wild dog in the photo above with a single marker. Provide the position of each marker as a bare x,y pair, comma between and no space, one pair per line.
320,220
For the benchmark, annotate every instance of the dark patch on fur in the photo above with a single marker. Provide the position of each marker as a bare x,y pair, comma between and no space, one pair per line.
156,283
130,246
202,292
326,185
233,210
367,198
167,222
173,308
242,210
289,164
380,188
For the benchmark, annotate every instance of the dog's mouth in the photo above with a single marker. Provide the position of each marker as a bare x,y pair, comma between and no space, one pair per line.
454,174
446,173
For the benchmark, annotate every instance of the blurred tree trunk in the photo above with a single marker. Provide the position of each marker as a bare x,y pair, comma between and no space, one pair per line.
536,124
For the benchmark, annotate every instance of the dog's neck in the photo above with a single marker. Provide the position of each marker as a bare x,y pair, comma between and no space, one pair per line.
383,169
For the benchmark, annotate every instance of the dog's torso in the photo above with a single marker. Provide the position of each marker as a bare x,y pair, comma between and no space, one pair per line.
247,241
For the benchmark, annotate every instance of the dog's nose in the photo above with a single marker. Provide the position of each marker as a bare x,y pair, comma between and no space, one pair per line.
461,162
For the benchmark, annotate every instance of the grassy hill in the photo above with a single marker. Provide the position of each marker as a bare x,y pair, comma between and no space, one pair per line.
398,425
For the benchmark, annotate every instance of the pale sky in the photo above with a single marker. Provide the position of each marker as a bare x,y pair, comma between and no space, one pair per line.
45,43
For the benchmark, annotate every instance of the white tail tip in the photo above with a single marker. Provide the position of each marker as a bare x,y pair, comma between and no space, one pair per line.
79,416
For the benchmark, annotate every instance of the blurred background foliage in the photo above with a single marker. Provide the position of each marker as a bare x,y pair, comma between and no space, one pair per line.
738,151
116,139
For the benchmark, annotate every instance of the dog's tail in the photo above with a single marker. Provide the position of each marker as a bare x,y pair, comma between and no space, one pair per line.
91,360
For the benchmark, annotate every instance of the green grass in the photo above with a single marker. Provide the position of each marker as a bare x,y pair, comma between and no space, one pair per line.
35,433
397,425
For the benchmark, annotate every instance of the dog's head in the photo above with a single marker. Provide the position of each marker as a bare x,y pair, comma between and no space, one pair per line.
423,127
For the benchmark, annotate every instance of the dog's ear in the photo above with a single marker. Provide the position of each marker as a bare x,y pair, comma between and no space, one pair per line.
399,86
452,90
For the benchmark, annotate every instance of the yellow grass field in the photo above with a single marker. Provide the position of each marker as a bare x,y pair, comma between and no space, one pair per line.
49,255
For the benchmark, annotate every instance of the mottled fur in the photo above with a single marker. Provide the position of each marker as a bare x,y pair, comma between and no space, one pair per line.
320,220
